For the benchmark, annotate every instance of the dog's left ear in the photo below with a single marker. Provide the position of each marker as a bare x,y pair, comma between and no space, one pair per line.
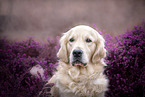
62,53
100,51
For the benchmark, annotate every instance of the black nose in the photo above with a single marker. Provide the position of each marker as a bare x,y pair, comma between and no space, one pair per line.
77,53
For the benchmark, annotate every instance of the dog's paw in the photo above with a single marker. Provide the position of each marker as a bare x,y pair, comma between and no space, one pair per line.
45,92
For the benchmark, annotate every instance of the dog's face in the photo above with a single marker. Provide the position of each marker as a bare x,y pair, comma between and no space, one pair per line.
81,45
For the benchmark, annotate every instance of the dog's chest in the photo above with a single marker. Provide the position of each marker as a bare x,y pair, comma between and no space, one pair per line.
83,80
80,83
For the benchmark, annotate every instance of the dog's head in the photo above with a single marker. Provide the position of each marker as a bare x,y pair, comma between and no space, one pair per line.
81,45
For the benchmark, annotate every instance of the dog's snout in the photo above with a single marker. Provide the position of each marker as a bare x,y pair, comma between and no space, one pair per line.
77,53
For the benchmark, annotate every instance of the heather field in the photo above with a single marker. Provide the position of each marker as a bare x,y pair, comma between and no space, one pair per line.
125,65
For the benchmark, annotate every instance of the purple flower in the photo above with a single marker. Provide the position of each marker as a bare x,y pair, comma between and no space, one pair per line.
126,64
17,58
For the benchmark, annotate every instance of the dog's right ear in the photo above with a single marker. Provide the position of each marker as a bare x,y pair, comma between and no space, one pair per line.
63,53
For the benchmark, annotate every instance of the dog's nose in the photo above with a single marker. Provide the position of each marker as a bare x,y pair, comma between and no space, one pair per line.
77,53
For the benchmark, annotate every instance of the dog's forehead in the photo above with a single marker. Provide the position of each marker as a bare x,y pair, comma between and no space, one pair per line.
82,30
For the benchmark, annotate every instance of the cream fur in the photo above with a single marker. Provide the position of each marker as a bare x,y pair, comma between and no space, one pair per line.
77,81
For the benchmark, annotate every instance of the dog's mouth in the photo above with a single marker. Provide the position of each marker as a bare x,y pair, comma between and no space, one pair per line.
78,63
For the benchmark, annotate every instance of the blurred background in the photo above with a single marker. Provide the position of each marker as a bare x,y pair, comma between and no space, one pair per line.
22,19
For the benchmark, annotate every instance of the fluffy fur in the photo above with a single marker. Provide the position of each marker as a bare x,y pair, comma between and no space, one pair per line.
78,81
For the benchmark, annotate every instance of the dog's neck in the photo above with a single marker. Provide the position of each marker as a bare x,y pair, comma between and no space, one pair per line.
77,72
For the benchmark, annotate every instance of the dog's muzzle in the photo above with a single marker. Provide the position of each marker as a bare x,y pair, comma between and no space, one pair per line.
77,58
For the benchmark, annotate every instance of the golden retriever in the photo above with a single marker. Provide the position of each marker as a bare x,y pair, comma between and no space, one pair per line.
80,69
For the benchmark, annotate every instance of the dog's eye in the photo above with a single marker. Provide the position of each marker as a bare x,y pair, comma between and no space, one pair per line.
72,40
88,40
